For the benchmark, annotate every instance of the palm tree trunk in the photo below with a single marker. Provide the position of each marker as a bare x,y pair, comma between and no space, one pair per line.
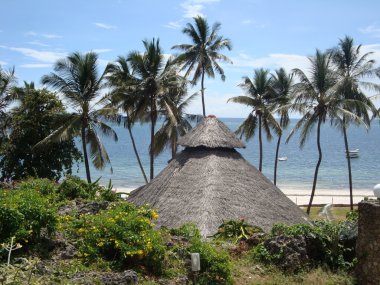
85,156
348,165
317,167
202,92
174,147
135,150
276,159
153,117
261,146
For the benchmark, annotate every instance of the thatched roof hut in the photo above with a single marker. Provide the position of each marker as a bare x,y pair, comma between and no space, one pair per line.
209,181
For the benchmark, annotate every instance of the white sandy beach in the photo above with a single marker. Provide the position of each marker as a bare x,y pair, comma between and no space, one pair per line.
302,196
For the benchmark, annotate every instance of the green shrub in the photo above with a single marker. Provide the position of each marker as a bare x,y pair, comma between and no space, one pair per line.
236,230
216,267
122,233
43,186
324,242
187,230
26,213
73,187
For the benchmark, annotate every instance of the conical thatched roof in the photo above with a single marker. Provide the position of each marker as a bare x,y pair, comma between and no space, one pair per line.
211,133
206,185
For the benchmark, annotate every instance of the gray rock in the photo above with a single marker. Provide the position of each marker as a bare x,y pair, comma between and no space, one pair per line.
290,252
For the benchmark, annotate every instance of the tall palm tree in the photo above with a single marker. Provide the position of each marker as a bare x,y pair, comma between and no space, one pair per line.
124,97
203,54
7,82
153,80
351,67
259,96
316,97
77,79
281,85
173,128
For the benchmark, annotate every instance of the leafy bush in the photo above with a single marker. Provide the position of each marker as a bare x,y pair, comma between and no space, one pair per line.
73,187
122,233
236,230
43,186
26,213
323,241
187,230
216,267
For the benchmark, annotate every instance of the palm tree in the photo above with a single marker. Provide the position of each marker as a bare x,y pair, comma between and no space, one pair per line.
203,55
259,95
153,81
351,67
77,79
7,82
281,85
316,98
176,126
125,99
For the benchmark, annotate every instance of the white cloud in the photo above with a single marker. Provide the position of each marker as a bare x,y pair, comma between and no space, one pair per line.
36,65
193,8
44,56
246,22
46,36
105,26
275,60
31,33
37,43
371,30
3,63
51,36
174,25
102,50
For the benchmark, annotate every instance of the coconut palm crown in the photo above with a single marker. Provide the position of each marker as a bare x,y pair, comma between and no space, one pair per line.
203,54
317,99
154,79
76,77
259,97
281,86
352,67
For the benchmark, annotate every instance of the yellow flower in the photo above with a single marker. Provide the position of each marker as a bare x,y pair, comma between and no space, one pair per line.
154,215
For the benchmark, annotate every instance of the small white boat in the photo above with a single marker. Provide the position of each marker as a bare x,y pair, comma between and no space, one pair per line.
353,153
283,158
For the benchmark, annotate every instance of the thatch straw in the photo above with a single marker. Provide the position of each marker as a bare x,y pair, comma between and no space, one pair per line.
206,186
211,133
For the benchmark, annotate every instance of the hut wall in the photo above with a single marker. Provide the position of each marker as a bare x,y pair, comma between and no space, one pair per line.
368,243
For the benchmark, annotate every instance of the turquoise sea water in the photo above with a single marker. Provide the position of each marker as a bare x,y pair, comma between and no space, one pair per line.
297,172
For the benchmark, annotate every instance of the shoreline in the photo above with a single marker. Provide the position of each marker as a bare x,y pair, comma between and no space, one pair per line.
301,196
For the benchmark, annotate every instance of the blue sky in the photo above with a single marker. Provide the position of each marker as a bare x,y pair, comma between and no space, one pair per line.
269,34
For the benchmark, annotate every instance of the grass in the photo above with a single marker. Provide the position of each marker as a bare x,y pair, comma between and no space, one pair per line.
248,273
338,213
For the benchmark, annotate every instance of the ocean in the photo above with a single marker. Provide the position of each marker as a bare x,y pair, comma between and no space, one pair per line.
296,172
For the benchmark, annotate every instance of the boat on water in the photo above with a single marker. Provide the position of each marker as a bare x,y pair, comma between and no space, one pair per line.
353,153
283,158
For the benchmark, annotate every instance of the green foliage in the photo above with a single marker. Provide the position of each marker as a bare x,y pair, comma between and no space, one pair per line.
187,230
352,215
216,266
26,214
122,233
73,187
41,185
324,237
236,230
39,113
